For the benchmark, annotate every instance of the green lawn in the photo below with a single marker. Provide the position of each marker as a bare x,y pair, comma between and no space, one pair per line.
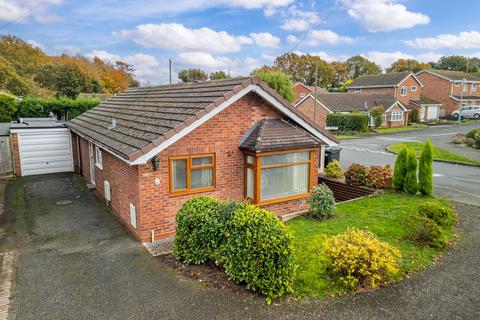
389,216
438,154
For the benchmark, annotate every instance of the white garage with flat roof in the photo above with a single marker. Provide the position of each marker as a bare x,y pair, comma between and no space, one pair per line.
42,145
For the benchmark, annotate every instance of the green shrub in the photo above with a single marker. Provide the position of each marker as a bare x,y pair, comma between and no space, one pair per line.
477,141
414,116
377,114
442,215
400,170
259,252
425,170
8,108
64,108
469,142
355,175
333,169
428,233
348,122
322,202
471,134
359,259
378,177
200,230
411,183
278,81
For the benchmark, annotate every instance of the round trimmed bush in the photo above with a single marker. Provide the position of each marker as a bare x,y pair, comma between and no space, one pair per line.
471,134
469,142
442,215
259,252
200,230
359,259
334,170
355,175
322,202
429,234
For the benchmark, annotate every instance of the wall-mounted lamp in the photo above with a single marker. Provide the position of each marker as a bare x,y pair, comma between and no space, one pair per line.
155,163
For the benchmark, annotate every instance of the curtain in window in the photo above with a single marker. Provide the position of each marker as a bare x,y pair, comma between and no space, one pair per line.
250,182
284,181
201,178
179,174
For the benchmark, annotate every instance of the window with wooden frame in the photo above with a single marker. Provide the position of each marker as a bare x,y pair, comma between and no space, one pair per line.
278,176
190,174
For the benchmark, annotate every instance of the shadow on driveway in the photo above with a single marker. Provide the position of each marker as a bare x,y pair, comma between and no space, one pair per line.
77,262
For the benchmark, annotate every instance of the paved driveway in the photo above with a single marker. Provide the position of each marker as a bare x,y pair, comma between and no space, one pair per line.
77,262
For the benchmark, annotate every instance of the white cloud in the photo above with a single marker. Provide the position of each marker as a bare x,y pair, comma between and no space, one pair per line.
203,59
317,37
36,44
255,4
384,15
385,59
20,10
147,67
329,57
268,57
297,20
176,37
67,49
463,40
265,39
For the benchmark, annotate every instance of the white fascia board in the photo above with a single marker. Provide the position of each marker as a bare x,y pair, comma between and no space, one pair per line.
413,75
400,104
251,88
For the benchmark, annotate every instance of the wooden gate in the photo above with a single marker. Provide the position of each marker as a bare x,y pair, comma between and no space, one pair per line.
6,163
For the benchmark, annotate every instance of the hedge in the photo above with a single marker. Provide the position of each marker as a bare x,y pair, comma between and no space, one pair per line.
251,244
64,108
348,122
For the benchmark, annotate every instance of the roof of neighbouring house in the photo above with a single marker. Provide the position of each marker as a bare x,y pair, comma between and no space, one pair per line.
454,75
424,100
349,101
465,97
275,135
390,79
148,119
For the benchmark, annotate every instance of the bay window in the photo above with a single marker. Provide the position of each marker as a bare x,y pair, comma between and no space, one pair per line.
396,116
279,176
190,174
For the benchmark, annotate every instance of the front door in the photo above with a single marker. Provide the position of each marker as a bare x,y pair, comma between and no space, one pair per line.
92,162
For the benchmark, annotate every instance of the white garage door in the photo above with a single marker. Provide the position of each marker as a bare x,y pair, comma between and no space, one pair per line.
45,151
432,113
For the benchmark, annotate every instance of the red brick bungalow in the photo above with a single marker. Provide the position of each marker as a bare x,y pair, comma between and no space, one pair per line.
155,147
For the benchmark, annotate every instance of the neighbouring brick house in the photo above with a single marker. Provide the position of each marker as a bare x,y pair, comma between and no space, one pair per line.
451,88
155,147
396,114
313,109
301,90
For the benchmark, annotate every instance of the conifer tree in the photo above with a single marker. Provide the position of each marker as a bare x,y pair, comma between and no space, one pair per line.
411,183
400,171
425,170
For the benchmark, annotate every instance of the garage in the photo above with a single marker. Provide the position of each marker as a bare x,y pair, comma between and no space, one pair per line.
40,146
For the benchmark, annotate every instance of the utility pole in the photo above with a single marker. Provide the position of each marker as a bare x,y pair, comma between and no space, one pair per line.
315,94
170,70
461,101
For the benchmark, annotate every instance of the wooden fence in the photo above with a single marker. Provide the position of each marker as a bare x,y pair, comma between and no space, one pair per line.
6,161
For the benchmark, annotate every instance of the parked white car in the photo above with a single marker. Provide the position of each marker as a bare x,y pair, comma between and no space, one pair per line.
467,112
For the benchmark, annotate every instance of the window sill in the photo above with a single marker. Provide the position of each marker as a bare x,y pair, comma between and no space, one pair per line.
284,199
99,166
184,193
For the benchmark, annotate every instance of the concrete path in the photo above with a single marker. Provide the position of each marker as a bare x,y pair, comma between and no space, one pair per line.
77,262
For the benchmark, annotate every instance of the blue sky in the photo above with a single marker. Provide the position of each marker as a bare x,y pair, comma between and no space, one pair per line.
239,35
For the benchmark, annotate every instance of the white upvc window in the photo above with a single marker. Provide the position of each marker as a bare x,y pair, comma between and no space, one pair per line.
357,90
474,86
98,157
396,116
413,88
302,94
403,91
465,87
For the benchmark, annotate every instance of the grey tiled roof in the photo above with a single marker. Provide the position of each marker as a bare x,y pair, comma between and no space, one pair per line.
465,97
275,135
386,79
456,75
147,116
348,102
425,100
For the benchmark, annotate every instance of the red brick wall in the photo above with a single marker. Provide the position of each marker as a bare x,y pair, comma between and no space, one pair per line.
438,89
298,89
220,135
391,124
123,180
307,107
411,95
16,154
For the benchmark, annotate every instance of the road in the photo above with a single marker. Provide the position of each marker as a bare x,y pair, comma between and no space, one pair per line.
459,182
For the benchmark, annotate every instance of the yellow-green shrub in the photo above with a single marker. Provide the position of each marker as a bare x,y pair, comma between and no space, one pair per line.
359,259
334,170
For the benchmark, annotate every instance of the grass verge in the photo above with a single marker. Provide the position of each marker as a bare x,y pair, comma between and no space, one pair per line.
379,131
390,216
438,154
